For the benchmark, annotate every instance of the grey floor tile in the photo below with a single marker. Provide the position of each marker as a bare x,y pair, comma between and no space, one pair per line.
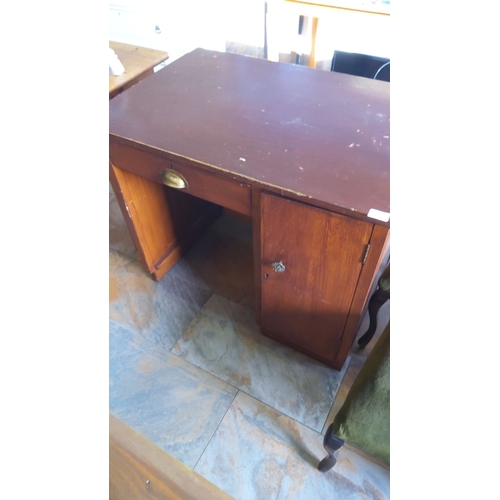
225,340
172,403
123,341
221,261
258,453
159,311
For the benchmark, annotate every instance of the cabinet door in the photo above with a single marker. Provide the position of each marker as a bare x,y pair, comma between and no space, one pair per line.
306,305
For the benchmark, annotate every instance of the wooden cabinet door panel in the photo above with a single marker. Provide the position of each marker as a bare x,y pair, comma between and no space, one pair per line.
307,304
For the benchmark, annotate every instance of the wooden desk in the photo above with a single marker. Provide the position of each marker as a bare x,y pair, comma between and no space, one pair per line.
138,63
305,153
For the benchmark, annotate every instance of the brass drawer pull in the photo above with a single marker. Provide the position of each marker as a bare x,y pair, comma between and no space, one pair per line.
173,179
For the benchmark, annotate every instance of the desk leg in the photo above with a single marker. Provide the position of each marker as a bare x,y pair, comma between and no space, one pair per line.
163,222
314,30
378,299
332,445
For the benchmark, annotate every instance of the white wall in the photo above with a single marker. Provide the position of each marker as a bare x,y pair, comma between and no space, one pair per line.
187,24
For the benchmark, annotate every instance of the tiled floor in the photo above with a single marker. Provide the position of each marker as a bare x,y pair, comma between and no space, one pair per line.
190,371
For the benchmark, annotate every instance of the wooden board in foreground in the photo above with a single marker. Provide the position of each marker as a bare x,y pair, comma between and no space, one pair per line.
138,469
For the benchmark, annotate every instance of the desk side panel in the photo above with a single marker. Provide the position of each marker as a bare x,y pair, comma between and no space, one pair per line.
163,223
377,257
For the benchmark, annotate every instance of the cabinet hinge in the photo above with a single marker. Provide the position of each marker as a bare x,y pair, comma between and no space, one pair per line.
366,253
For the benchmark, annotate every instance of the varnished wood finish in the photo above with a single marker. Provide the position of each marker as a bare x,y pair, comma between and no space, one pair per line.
138,63
257,249
308,134
304,153
379,245
140,470
163,222
202,184
307,305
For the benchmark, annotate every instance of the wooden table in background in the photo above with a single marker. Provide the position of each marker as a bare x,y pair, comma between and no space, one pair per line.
138,63
359,10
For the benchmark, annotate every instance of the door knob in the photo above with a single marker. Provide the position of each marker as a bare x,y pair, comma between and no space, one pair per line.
279,267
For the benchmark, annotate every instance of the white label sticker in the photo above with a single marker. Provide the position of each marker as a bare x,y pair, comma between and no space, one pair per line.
379,215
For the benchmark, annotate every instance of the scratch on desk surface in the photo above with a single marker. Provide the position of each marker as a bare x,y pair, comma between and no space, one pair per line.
297,121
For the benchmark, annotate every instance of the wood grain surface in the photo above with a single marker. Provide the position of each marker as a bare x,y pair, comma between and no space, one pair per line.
317,136
139,469
138,63
308,304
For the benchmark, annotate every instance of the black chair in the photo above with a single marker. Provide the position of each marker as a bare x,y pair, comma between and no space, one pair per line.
377,68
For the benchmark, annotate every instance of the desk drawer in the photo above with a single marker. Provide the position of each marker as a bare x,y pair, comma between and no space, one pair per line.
200,183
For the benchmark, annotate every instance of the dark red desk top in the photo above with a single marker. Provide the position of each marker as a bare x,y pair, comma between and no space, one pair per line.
322,137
